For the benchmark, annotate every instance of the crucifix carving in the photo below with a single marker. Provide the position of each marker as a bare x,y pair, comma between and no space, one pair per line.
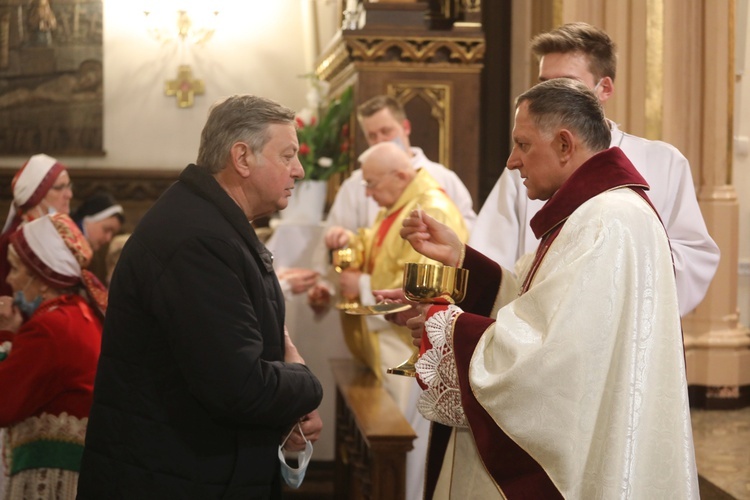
184,87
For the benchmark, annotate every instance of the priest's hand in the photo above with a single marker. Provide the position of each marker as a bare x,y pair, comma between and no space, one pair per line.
431,238
337,237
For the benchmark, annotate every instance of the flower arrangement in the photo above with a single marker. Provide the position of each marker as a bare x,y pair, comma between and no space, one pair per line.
324,141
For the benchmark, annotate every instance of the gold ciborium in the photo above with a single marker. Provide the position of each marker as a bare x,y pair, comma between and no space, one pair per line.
349,257
431,284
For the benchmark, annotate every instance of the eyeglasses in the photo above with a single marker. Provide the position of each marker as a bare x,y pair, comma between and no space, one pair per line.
373,184
62,187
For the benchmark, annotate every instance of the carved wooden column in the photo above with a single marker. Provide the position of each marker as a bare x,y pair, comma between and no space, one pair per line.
435,74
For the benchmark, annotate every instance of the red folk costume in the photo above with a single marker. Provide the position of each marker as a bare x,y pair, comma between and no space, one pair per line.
47,367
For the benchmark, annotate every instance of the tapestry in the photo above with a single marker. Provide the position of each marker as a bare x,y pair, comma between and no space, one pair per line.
51,77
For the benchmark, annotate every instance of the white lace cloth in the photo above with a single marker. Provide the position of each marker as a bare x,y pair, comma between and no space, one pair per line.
441,401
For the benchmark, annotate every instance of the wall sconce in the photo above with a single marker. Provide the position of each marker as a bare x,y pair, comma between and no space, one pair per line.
190,23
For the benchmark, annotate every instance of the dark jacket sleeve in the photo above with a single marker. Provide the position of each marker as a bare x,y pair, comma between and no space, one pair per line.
224,324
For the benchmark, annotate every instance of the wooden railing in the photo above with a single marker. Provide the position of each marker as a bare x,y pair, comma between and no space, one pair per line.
372,437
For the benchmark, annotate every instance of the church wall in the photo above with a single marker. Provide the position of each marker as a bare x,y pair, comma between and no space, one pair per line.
259,48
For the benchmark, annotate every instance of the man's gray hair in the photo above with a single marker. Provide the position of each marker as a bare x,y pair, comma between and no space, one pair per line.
238,118
565,103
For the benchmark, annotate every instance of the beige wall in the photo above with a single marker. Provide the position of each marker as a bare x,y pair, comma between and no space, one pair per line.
259,48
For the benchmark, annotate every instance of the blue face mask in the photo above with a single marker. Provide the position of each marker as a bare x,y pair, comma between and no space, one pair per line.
28,307
294,477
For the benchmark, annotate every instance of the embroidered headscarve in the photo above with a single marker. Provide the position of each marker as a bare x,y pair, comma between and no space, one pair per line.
31,184
55,249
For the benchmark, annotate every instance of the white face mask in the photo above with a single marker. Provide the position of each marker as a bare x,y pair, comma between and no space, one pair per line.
294,477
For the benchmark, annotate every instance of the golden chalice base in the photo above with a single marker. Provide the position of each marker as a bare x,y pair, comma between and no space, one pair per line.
407,368
345,306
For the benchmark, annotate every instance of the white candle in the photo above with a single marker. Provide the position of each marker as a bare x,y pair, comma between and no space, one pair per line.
351,5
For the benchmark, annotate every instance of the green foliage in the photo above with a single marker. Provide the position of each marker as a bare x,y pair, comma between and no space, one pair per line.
324,143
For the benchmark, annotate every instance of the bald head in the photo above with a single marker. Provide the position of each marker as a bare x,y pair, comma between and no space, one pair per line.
385,156
387,171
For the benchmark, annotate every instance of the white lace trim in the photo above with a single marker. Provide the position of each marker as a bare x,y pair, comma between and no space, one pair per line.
441,401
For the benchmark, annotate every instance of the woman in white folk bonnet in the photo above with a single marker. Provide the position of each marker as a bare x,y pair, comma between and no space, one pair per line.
48,360
41,186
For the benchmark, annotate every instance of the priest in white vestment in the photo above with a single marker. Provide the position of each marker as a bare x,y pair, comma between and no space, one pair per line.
570,382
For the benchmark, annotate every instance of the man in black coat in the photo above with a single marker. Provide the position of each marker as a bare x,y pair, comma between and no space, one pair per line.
198,381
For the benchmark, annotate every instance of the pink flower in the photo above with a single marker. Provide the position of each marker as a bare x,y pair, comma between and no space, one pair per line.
304,149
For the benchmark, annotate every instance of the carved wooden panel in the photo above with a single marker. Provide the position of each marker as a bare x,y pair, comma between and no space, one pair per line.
416,49
424,71
372,437
429,107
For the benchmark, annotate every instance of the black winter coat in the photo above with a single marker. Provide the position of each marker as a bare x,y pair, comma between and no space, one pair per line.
192,394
